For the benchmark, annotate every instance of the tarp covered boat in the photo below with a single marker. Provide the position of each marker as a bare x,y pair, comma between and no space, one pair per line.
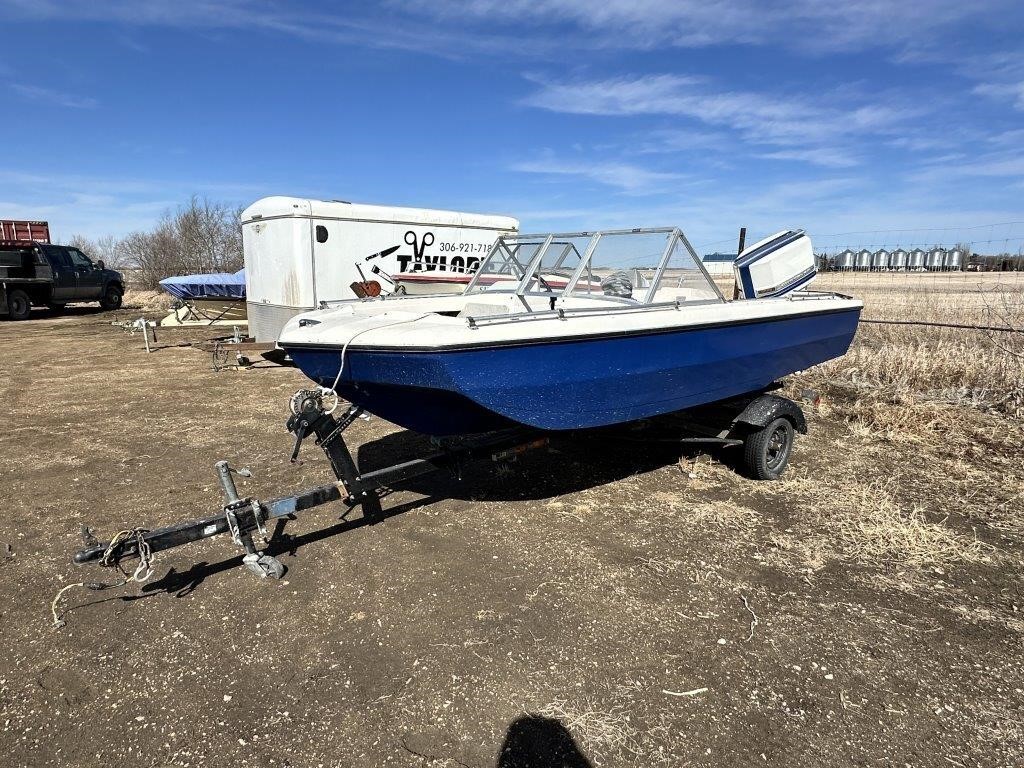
221,285
211,299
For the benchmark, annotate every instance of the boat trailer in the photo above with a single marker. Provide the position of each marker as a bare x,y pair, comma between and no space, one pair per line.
761,422
246,518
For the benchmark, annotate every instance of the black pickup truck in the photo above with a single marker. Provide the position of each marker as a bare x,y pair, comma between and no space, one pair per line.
41,274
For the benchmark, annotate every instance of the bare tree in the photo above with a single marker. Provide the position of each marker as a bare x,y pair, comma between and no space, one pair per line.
105,248
201,236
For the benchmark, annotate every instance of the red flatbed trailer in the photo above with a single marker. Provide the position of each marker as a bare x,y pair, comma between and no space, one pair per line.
38,231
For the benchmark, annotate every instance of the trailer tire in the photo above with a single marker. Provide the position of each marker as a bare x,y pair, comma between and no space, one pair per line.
766,451
18,304
112,298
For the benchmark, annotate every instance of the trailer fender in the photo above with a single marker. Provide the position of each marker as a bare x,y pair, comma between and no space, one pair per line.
765,409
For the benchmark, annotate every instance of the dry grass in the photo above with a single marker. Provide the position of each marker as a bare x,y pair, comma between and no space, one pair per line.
855,519
908,363
912,363
598,730
967,298
152,302
871,525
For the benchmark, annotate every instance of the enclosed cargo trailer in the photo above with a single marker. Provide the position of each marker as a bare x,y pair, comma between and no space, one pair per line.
299,253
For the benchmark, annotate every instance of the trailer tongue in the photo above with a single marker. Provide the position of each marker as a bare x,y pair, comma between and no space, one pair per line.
246,518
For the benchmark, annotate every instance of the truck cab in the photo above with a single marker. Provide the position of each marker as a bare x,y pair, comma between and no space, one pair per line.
42,274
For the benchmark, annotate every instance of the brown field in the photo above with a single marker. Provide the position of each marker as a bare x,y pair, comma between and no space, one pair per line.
611,604
922,363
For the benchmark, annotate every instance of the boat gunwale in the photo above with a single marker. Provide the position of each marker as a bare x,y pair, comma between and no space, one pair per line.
575,338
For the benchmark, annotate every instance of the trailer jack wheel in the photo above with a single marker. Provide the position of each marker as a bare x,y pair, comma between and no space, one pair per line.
263,565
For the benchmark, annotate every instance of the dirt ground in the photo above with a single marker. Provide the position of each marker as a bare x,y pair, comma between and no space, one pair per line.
604,603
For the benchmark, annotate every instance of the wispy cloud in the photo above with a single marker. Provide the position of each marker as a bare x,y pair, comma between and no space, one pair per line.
50,96
1012,92
405,29
547,28
1003,165
823,156
100,205
629,178
798,24
783,120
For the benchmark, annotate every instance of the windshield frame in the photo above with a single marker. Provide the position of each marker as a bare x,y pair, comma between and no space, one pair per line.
674,238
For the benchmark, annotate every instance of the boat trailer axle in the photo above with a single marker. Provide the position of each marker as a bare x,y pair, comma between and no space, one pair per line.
244,518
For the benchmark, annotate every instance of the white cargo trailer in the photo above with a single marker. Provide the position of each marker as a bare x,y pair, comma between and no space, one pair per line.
299,252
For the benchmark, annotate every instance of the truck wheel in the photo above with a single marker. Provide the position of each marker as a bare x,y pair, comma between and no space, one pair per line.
766,451
112,298
18,304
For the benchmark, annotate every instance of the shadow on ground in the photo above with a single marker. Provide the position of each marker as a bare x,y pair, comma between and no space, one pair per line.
534,741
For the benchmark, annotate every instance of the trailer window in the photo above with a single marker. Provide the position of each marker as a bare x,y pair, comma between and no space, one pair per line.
321,233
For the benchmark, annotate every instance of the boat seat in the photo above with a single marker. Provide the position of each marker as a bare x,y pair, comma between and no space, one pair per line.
482,309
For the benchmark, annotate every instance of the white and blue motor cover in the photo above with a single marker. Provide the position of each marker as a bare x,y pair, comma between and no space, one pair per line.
775,266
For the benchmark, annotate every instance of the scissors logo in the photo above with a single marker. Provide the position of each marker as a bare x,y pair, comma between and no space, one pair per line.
418,247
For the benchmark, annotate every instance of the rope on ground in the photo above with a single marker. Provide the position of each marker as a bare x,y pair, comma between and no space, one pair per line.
142,572
753,618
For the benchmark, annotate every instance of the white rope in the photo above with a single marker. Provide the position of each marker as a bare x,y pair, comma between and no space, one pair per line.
353,337
143,571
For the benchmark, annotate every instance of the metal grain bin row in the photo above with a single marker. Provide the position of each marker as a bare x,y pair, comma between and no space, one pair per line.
899,260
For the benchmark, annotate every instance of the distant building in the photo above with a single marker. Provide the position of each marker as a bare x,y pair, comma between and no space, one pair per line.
718,263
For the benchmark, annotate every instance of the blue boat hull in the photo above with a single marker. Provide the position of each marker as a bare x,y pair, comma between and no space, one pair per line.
565,384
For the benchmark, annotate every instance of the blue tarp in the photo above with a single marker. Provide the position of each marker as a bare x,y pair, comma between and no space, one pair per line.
220,285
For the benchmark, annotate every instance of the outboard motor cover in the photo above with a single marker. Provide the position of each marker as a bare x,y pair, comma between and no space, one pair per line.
776,265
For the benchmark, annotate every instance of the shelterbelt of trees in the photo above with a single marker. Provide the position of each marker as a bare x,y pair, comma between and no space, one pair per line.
201,236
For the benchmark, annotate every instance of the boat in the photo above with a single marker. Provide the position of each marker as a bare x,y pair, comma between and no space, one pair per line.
577,330
209,299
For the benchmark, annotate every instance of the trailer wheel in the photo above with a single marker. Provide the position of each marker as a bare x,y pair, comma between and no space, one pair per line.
766,451
18,304
112,298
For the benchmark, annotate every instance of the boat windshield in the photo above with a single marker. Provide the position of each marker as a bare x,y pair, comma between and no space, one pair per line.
506,263
642,266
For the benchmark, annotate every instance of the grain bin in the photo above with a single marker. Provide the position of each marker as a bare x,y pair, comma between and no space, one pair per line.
933,261
880,260
915,261
863,261
898,260
845,260
954,260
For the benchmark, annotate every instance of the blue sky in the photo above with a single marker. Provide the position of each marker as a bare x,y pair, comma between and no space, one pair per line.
835,117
